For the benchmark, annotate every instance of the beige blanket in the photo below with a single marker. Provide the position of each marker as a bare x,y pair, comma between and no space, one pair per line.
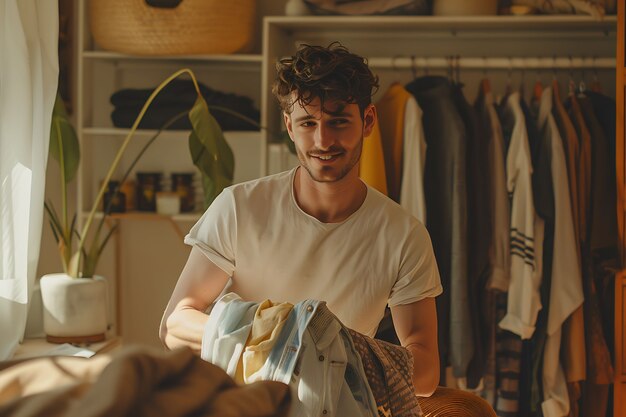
134,382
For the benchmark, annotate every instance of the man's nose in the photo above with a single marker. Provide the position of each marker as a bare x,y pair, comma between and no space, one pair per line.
323,137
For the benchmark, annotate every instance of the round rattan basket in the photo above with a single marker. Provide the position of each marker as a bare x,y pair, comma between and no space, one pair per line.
192,27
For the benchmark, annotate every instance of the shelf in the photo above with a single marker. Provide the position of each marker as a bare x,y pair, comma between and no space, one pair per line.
376,24
217,59
146,133
435,36
115,131
173,220
148,216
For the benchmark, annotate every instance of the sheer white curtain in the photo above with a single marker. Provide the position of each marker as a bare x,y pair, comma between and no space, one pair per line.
28,82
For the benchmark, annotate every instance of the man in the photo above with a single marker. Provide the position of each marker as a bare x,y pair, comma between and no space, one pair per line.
316,231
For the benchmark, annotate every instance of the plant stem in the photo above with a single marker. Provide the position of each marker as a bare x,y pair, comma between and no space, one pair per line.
107,209
143,150
67,234
167,124
242,117
118,157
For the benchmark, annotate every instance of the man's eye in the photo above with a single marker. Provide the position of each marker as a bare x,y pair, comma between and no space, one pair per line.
307,124
338,122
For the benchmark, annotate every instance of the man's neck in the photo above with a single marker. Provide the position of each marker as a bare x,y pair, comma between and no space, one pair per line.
329,202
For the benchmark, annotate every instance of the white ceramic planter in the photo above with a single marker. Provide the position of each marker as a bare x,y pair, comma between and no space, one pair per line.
74,309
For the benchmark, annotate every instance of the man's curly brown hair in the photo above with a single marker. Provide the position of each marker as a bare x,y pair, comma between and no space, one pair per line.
329,73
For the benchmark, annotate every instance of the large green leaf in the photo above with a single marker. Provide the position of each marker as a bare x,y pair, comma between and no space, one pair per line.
63,141
210,151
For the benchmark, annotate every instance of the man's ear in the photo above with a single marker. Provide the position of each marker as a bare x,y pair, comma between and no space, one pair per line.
287,120
369,120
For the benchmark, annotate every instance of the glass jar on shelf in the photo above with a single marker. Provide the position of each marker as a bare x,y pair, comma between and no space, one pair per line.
182,184
114,200
148,184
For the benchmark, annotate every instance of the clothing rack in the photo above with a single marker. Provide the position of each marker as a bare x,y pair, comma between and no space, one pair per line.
505,63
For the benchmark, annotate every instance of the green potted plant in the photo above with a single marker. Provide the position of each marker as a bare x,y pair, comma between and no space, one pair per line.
74,301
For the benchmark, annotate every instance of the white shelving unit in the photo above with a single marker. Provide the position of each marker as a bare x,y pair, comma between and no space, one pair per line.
129,261
101,73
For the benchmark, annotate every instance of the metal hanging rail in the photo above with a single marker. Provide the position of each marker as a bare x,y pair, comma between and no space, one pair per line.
505,63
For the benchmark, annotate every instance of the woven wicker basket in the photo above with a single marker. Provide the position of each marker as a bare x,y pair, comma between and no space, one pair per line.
192,27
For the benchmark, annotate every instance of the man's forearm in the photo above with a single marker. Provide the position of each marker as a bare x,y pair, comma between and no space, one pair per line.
184,327
425,370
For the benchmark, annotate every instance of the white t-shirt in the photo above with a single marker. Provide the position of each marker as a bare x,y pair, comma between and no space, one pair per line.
256,232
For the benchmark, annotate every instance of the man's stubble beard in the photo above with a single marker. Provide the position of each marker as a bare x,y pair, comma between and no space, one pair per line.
354,160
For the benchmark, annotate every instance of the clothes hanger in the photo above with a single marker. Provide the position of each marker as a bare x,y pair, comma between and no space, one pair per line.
395,69
509,81
413,67
457,68
555,82
582,86
571,84
449,71
538,87
485,85
595,83
522,82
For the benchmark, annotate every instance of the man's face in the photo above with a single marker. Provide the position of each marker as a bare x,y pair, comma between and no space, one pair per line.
328,145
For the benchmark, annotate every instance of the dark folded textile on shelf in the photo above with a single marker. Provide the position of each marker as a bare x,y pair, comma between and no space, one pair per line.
368,7
178,97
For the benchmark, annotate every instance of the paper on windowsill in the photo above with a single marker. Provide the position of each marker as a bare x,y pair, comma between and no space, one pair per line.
67,349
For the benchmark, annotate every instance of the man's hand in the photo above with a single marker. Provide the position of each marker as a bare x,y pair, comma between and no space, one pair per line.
416,326
199,284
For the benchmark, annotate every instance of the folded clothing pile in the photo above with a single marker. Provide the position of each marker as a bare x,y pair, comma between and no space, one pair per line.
366,7
177,97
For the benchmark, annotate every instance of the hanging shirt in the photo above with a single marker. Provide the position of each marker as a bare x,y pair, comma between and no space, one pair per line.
372,162
573,341
518,308
445,188
584,165
526,229
391,110
479,228
604,217
572,155
500,248
413,161
599,371
544,206
565,292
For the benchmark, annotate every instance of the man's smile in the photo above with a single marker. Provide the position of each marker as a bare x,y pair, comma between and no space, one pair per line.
326,157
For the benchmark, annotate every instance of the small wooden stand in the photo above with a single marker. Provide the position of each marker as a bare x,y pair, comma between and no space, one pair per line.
76,339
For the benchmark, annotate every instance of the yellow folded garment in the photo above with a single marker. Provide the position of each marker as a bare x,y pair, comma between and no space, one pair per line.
268,322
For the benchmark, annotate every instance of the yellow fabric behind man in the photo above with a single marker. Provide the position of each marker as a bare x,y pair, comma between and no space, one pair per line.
391,110
372,169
